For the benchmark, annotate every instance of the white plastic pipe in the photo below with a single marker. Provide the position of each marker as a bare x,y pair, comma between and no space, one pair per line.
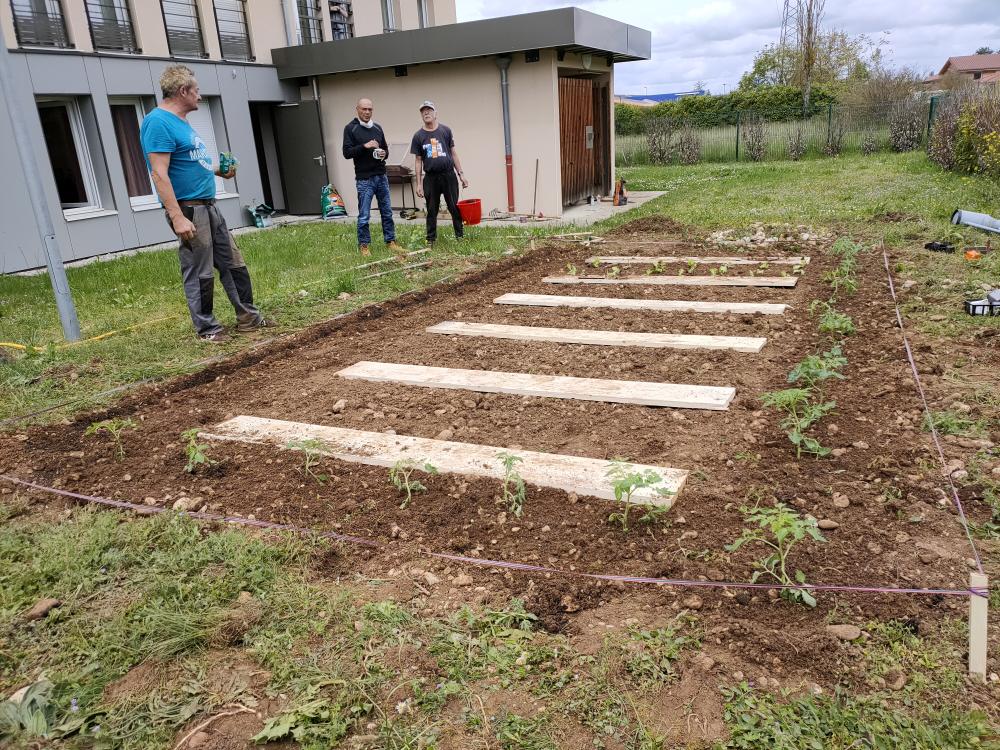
978,221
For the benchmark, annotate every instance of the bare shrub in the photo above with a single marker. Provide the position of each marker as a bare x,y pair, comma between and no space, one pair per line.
796,144
835,135
660,139
869,144
688,145
965,133
944,129
753,135
883,88
906,125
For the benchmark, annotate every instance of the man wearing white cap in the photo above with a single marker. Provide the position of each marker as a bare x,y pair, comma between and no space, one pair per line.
438,170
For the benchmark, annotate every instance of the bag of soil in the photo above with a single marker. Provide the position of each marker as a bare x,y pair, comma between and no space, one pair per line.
332,205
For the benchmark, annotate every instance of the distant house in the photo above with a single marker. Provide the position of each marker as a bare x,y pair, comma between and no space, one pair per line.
982,68
651,100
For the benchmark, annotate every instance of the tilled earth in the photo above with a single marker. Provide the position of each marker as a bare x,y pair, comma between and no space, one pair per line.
892,532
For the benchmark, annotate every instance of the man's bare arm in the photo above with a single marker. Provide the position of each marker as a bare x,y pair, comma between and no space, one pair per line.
182,227
458,167
418,169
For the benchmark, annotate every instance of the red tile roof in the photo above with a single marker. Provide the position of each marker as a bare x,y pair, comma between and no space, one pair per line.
972,63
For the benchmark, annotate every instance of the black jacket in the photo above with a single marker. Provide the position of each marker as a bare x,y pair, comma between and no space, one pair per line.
355,136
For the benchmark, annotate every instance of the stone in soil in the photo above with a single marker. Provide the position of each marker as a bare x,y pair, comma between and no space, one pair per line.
693,601
840,501
828,525
844,632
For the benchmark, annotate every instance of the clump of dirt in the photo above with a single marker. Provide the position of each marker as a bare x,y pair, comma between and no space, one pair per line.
141,680
657,224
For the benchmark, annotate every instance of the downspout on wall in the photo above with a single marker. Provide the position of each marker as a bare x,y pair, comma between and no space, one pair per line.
503,63
289,13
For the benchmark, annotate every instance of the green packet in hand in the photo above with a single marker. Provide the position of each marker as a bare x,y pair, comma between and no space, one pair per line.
227,161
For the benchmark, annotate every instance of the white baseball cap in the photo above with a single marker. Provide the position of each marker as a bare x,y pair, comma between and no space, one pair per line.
428,103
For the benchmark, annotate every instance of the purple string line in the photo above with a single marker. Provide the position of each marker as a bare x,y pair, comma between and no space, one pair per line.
927,414
236,520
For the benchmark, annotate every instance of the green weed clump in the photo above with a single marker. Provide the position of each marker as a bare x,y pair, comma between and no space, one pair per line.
513,489
779,529
197,453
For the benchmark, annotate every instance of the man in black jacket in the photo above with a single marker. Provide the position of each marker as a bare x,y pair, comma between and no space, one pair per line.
364,142
437,160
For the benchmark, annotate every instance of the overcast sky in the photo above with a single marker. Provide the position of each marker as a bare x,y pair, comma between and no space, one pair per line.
715,40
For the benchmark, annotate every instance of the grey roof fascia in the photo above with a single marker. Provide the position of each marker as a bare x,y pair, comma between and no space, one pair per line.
567,28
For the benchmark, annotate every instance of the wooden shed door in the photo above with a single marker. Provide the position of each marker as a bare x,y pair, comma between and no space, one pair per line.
583,118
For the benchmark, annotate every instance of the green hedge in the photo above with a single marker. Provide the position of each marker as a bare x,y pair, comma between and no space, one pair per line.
775,103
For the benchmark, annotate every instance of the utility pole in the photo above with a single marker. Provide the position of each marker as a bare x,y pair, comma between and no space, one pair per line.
36,193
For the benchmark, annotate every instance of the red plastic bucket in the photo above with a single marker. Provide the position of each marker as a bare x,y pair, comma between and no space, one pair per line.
471,210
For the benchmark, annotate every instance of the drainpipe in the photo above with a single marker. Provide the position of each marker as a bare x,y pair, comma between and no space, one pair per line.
980,221
504,63
288,11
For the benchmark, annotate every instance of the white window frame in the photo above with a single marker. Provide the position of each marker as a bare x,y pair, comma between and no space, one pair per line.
83,157
139,202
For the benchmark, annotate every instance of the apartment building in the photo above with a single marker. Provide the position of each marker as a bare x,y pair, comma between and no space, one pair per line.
87,71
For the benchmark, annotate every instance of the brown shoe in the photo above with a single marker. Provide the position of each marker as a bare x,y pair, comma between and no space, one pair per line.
398,250
364,250
262,323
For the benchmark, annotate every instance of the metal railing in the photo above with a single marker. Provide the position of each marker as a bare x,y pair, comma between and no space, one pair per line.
111,26
40,24
183,25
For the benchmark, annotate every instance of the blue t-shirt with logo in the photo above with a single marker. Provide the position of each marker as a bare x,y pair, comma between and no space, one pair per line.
191,172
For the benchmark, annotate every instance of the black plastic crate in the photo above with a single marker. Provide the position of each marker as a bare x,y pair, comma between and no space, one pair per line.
982,307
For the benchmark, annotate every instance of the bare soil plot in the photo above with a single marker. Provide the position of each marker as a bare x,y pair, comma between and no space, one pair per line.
883,468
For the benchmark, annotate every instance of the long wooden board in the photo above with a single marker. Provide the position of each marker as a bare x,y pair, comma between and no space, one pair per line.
654,305
782,281
735,260
584,476
678,396
599,338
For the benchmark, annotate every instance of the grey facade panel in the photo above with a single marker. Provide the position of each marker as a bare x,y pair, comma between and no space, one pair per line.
95,78
564,27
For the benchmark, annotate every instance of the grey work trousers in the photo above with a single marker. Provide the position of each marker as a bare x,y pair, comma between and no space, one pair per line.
213,246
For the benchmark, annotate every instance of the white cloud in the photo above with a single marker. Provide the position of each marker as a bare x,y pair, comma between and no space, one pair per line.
715,40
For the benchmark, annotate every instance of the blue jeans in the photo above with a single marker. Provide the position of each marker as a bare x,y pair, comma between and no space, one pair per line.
376,187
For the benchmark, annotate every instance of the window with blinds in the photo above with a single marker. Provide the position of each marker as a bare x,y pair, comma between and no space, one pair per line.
342,19
234,33
310,22
40,23
183,24
111,26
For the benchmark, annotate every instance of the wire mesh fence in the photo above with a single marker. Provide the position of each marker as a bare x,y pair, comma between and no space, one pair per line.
780,134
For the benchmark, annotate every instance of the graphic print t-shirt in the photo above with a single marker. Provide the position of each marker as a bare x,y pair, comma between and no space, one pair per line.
191,172
434,147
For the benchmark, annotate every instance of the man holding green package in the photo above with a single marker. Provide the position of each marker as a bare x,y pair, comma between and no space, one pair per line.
182,173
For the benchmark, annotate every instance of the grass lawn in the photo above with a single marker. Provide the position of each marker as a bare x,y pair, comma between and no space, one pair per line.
165,623
299,272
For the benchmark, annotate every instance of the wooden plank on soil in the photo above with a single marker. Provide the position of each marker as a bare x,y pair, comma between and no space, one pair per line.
584,476
734,260
782,281
678,396
654,305
599,338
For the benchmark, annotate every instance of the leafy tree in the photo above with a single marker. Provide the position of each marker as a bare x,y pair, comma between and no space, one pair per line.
984,51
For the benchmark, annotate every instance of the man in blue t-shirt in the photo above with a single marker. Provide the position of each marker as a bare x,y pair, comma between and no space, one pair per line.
182,173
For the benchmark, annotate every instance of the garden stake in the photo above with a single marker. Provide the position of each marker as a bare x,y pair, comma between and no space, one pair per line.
978,611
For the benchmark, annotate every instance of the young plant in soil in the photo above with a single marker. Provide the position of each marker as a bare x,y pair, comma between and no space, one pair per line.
831,321
513,489
815,369
312,451
571,269
800,414
614,272
114,428
625,481
197,457
400,474
779,529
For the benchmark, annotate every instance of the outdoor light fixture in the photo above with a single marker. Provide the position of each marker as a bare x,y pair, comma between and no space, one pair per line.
401,71
531,55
